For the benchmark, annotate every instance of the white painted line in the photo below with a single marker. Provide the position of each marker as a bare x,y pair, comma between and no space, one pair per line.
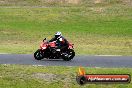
4,53
37,65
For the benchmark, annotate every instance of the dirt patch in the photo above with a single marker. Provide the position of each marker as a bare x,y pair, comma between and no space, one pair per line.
98,1
49,77
67,82
98,10
128,2
1,2
64,1
45,76
73,1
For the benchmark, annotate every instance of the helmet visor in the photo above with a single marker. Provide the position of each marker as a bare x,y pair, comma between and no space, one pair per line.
56,36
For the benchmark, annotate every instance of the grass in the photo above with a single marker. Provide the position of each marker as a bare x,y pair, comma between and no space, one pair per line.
25,76
103,28
94,28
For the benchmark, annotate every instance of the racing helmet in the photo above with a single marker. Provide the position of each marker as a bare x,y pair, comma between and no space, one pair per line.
58,34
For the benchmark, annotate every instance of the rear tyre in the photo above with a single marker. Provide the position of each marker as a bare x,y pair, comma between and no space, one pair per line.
68,55
38,55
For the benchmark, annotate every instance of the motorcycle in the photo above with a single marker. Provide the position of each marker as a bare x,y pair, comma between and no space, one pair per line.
49,50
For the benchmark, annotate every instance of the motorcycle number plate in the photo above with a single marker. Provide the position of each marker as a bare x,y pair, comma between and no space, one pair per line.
57,49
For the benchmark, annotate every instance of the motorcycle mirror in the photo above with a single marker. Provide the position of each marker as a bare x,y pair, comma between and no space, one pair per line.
44,39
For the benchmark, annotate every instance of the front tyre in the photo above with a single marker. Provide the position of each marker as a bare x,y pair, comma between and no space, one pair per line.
67,56
38,55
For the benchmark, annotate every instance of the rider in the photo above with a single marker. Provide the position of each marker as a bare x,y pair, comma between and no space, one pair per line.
61,42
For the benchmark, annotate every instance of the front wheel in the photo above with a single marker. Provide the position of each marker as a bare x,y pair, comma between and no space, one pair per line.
67,56
38,55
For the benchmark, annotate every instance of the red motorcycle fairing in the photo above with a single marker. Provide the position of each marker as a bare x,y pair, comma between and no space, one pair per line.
44,45
52,44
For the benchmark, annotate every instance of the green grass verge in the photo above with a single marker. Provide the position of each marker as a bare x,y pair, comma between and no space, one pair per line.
103,28
25,76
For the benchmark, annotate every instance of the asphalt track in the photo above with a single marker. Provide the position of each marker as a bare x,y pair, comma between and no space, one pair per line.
87,61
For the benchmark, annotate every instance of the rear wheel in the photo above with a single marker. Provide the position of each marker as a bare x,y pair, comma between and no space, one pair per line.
38,55
67,56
